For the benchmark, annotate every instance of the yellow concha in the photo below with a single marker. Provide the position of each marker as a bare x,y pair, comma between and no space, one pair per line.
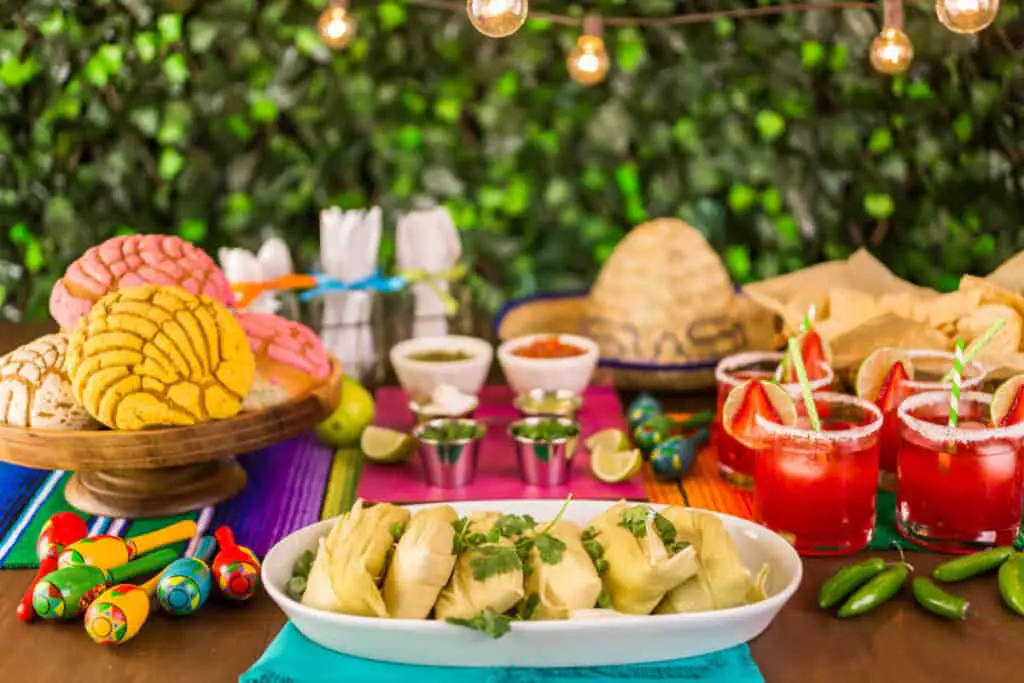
159,356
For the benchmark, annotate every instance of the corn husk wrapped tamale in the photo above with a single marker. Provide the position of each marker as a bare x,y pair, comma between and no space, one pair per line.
641,568
422,564
487,576
721,581
351,561
565,580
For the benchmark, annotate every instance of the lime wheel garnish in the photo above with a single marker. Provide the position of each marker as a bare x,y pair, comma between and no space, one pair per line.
882,378
1008,403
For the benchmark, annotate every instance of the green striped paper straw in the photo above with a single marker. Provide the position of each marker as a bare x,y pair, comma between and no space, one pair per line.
808,318
955,381
805,385
977,345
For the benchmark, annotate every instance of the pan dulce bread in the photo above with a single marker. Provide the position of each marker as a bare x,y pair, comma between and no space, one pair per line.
159,356
35,390
290,359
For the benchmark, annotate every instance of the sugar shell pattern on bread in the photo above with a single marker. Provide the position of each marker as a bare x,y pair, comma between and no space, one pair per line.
290,359
35,391
131,261
159,356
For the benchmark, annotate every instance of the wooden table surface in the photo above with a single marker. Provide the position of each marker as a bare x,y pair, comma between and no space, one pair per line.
897,643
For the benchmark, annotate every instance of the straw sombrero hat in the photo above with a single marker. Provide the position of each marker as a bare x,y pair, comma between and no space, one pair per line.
663,310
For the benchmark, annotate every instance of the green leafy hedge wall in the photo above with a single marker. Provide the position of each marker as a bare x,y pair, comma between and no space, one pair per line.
226,120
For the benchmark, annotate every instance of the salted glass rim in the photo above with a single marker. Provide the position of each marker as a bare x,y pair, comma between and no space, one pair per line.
851,434
739,360
980,371
944,433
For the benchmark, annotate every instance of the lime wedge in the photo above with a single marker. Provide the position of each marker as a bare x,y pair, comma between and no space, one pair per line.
613,467
1004,402
608,440
383,445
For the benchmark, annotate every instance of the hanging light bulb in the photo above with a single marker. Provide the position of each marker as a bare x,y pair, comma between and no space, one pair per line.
891,51
588,62
337,27
497,18
966,16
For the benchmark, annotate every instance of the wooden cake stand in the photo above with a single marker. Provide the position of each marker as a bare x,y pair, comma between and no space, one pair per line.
161,472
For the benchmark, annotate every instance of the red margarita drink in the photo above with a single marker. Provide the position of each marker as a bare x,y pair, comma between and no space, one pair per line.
960,488
817,489
928,369
736,460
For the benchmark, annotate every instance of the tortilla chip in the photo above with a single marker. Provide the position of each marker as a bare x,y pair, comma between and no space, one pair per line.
947,309
1006,342
850,304
992,293
886,329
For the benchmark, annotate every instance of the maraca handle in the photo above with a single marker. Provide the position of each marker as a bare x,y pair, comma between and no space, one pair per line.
206,549
25,610
146,564
180,531
225,538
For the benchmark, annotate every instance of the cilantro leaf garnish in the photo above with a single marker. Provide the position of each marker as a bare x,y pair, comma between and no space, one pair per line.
459,543
604,600
494,560
677,547
528,607
397,529
514,525
488,621
635,520
550,548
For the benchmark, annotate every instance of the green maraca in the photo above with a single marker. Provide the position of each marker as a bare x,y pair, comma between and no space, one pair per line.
67,593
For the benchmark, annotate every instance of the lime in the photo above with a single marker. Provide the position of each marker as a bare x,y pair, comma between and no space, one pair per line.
608,440
383,445
355,411
1006,408
875,370
750,400
613,467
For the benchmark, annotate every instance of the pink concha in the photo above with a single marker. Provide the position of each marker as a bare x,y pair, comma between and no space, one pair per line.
135,260
286,342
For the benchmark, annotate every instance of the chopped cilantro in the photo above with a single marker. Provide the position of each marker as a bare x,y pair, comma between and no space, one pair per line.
493,560
397,529
594,549
588,534
635,520
677,547
460,542
528,607
488,621
550,548
601,565
604,601
514,525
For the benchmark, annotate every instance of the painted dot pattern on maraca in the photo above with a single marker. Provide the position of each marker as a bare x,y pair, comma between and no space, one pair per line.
640,414
673,458
48,601
648,435
238,580
180,595
107,624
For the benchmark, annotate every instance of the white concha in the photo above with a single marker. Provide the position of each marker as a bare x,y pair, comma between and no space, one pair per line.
34,388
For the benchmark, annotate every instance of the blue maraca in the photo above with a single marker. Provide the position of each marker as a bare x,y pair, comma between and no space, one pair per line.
674,457
186,583
642,409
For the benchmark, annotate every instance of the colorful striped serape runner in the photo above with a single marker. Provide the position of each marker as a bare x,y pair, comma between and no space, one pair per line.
291,485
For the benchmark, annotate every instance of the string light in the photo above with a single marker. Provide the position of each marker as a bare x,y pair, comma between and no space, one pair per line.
588,63
966,16
336,26
891,51
497,18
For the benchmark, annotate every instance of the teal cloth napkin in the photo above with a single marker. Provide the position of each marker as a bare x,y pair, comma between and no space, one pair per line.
293,658
887,538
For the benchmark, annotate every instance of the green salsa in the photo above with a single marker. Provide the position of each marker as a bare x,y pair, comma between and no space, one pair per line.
546,430
452,431
439,356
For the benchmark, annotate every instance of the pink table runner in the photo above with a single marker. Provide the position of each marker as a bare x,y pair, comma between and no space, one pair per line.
497,473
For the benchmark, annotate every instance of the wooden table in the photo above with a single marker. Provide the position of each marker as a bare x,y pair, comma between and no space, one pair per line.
898,643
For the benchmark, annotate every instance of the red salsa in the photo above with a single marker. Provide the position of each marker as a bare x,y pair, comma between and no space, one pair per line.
549,347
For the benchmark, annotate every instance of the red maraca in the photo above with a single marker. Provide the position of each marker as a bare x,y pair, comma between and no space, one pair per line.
61,530
235,567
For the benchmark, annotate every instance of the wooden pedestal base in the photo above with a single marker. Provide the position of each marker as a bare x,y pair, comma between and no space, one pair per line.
155,492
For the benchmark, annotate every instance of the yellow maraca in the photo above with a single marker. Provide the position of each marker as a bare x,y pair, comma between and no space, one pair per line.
107,552
118,614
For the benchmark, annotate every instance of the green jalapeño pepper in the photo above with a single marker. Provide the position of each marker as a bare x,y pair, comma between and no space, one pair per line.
971,565
847,580
875,592
1011,583
938,601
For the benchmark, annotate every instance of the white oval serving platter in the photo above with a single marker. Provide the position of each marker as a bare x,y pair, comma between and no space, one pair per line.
598,642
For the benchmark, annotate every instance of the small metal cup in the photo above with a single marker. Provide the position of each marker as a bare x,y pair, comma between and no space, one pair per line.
449,464
544,462
527,404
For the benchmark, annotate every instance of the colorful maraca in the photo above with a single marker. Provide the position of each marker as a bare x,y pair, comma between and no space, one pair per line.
61,530
185,585
67,593
107,552
236,568
118,615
